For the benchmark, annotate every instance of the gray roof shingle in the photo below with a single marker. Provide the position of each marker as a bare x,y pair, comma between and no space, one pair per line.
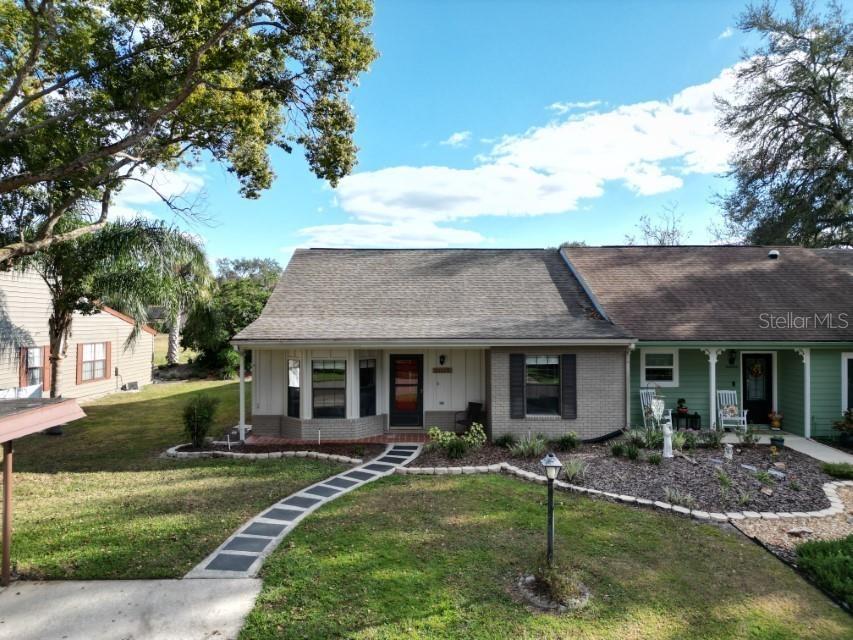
718,293
425,294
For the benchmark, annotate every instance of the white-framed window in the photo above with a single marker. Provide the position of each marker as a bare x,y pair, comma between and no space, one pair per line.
659,367
94,361
329,388
294,385
846,381
35,366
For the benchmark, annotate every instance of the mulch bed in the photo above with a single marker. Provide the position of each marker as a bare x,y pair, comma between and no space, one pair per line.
799,490
364,451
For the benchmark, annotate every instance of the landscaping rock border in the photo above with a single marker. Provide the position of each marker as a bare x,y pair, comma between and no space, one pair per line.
173,452
829,488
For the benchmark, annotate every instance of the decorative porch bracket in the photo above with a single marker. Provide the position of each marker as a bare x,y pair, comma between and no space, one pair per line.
806,354
712,354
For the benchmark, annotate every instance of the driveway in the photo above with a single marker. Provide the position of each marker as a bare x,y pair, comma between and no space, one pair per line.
126,609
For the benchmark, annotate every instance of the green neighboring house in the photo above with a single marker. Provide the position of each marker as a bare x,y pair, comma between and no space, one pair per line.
774,324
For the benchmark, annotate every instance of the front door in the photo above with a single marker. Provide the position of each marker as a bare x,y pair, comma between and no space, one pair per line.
758,387
407,391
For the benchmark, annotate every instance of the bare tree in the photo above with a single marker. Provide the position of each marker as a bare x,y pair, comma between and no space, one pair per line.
666,231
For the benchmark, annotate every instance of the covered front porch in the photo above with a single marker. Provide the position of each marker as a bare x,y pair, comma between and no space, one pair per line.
350,394
801,381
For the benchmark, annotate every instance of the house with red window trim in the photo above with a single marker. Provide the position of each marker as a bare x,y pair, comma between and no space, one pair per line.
98,359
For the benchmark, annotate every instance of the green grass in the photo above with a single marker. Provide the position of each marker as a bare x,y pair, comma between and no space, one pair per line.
842,470
98,502
161,346
830,564
434,557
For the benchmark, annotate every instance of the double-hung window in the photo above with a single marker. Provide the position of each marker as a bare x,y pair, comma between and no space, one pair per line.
35,366
659,367
93,361
329,388
542,385
294,379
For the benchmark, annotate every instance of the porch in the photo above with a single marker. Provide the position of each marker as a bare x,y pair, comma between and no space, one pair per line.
804,382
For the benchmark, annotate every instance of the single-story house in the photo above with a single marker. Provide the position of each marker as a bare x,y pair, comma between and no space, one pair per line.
357,343
98,358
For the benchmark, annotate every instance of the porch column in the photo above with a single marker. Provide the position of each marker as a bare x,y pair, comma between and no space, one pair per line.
628,353
806,354
712,385
241,428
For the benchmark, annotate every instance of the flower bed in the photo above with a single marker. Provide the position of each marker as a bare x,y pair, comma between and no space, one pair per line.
797,487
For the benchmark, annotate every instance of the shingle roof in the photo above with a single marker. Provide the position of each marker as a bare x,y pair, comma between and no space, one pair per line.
717,293
840,257
474,294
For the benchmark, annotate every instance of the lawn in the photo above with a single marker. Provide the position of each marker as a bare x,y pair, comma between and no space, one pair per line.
433,557
98,502
161,346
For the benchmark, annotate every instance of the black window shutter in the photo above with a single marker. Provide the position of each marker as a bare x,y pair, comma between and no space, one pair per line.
569,383
516,385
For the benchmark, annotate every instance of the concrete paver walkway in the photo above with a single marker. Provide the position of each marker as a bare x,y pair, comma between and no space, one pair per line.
126,609
242,555
806,446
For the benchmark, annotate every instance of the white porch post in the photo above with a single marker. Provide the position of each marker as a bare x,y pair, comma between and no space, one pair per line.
628,353
806,355
241,428
712,385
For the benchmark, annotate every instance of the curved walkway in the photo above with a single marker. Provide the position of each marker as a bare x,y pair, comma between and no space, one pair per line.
242,554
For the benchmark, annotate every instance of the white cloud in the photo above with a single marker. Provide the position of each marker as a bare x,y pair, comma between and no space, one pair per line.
564,107
728,32
137,198
408,234
458,139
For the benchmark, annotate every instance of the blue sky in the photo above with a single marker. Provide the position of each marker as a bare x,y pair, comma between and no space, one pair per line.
505,124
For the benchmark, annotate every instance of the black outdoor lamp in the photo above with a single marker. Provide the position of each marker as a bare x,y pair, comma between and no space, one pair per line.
552,467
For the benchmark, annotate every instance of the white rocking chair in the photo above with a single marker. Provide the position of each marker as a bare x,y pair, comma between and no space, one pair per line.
646,397
728,414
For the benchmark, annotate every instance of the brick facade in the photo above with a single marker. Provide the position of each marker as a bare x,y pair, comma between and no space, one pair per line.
600,393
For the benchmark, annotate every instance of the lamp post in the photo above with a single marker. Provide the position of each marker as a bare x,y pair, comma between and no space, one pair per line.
552,469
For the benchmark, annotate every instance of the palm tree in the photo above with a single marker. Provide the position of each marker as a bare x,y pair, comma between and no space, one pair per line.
128,264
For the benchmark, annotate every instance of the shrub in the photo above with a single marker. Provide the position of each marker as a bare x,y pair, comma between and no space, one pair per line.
617,449
654,458
712,438
440,437
505,441
691,440
632,452
566,442
843,470
845,426
764,477
654,439
744,497
575,470
198,418
680,498
475,437
830,564
636,437
747,438
529,446
456,448
725,481
678,440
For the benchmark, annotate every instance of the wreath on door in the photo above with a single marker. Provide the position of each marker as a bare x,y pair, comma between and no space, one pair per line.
756,370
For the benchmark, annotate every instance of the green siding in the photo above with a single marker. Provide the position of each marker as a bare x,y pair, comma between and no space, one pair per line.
693,385
790,388
826,390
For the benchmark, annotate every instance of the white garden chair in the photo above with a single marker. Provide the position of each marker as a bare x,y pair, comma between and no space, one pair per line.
728,414
646,397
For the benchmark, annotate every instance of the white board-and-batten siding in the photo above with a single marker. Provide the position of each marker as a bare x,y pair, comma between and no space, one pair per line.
25,309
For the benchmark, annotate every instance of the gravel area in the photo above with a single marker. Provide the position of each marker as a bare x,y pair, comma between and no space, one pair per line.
797,485
783,536
364,451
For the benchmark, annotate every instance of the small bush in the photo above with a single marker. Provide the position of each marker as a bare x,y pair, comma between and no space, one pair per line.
456,448
680,498
764,477
440,437
654,439
632,452
529,446
712,438
566,442
747,438
654,458
475,437
575,470
724,479
691,440
198,418
830,564
843,470
744,497
505,441
636,437
617,450
678,440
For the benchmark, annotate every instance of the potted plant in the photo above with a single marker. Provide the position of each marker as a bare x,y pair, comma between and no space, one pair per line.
681,407
845,428
775,420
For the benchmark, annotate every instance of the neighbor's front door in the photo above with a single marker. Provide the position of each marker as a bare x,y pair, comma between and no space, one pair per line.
407,384
758,387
